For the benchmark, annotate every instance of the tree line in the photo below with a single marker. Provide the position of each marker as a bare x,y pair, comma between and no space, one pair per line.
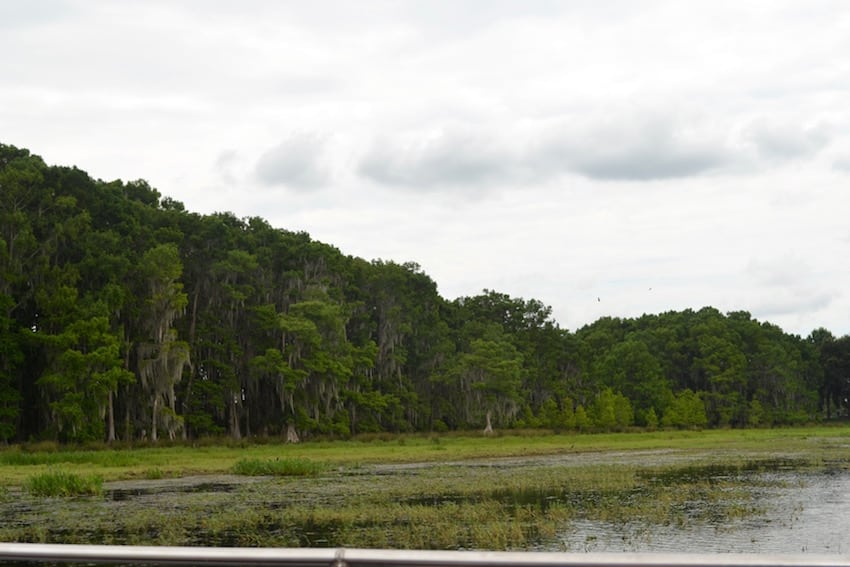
123,316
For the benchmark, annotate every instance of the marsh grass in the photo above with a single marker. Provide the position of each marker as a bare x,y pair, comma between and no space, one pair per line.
461,492
277,467
61,483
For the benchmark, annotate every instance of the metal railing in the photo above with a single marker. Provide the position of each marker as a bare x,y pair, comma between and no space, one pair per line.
343,557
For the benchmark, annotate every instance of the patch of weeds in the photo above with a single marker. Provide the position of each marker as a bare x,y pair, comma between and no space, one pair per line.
59,483
154,473
277,467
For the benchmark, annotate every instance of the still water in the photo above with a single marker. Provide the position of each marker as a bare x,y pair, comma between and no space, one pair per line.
803,513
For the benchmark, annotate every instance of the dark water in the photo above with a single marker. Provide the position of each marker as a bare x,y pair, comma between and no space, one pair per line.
803,513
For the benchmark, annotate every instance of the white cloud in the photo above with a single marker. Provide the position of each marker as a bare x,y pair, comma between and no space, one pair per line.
784,141
557,150
842,164
28,15
787,288
791,302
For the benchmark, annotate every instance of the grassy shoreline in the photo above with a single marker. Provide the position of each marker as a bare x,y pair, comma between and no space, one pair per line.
18,463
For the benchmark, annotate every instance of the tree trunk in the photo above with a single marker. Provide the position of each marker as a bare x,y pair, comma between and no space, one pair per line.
235,431
489,429
111,415
153,418
128,430
291,434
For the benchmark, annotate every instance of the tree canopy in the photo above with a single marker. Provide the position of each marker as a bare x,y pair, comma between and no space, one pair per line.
125,316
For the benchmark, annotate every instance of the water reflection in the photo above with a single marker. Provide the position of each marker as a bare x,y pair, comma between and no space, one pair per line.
804,513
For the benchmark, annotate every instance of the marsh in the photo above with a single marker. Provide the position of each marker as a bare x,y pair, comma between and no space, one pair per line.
609,500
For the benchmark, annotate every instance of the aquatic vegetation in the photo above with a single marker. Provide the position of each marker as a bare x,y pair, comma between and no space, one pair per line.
497,505
469,497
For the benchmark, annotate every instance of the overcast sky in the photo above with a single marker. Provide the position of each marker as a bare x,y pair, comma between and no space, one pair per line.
607,158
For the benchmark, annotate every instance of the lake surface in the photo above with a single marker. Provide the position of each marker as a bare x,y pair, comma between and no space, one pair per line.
803,513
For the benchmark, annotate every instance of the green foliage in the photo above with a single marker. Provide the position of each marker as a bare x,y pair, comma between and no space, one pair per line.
629,367
650,419
86,368
583,422
687,411
756,414
611,410
60,483
553,417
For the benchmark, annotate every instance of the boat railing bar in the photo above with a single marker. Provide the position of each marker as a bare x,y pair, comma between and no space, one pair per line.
345,557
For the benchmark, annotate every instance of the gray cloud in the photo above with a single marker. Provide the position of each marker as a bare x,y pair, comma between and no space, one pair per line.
638,149
641,145
298,162
631,148
446,159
